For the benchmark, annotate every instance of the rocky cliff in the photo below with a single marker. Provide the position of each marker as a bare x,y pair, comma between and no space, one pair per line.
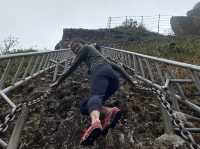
120,35
187,25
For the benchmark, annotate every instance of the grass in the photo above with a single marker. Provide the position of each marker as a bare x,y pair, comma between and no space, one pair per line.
138,39
185,49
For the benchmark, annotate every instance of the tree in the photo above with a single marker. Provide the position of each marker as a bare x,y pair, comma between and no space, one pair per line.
8,44
130,23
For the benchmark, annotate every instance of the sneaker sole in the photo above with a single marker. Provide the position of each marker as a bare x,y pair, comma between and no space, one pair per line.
92,137
113,123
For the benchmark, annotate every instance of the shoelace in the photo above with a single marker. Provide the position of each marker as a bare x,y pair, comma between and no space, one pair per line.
107,119
83,132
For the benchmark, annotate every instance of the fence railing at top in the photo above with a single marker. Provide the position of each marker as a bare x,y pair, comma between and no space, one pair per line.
181,81
158,23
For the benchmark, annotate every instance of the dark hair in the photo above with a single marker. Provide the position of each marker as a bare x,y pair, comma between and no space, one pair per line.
97,47
78,41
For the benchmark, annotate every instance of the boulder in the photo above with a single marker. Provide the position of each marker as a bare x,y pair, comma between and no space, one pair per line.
187,25
184,25
195,11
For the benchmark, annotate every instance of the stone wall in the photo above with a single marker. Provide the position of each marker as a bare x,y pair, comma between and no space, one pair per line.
84,34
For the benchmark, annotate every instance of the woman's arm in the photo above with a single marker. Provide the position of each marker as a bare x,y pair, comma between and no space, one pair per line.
77,61
123,73
73,67
119,69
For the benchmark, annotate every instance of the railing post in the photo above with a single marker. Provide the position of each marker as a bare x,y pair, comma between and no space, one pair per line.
136,64
159,23
18,71
55,72
28,67
46,62
126,21
149,70
195,79
167,122
174,100
41,63
109,23
142,20
141,67
35,65
4,76
14,140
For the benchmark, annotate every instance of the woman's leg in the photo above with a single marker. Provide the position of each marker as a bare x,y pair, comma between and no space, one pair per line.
112,88
99,85
99,90
105,109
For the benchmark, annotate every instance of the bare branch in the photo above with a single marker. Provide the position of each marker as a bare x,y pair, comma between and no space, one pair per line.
8,44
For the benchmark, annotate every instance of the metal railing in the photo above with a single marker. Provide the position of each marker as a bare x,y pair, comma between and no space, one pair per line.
179,81
16,69
157,23
14,139
175,82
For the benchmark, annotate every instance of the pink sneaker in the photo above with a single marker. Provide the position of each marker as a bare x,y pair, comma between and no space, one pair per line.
91,134
111,119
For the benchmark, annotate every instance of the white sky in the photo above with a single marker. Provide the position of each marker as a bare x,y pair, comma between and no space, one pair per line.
39,23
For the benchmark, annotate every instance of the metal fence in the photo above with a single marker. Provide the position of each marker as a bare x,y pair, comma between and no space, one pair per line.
16,69
176,84
158,23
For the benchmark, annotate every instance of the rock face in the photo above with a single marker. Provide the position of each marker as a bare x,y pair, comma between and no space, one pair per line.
114,36
84,34
187,25
195,11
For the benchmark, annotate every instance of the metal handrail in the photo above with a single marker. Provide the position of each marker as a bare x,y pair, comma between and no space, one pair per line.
29,54
29,65
162,74
162,60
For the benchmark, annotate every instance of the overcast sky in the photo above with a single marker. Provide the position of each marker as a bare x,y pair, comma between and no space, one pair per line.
39,23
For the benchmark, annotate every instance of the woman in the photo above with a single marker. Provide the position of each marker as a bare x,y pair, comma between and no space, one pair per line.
103,83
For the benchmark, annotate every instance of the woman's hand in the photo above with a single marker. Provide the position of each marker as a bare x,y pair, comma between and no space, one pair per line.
54,85
132,82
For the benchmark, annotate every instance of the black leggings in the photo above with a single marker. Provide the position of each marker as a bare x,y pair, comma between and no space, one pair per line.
104,82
